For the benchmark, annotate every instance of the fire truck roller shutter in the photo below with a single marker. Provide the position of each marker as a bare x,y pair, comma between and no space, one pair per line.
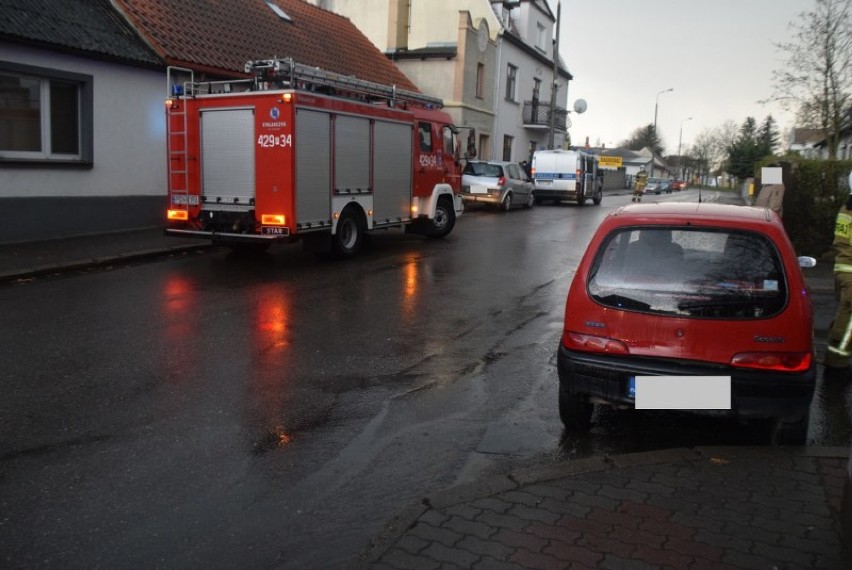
227,159
392,172
313,167
351,155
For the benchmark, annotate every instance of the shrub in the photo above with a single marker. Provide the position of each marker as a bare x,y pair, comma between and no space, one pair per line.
815,191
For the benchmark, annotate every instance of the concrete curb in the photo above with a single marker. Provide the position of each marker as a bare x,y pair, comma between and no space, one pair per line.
101,261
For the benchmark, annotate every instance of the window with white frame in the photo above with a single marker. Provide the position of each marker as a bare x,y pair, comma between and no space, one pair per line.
541,38
511,82
44,115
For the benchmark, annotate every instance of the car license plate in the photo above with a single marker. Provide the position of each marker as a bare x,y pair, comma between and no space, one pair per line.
185,199
274,230
478,190
545,182
681,392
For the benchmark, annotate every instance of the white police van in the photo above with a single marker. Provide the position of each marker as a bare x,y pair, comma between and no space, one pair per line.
566,175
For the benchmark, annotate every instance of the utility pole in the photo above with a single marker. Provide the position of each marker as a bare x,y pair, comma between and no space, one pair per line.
656,106
679,141
554,86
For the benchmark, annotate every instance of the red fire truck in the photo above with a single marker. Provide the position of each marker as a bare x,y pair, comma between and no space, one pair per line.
297,152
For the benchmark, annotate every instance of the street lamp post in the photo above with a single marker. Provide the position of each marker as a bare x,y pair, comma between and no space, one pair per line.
679,141
656,107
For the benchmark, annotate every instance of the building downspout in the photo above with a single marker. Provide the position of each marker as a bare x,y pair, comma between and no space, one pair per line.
555,87
499,67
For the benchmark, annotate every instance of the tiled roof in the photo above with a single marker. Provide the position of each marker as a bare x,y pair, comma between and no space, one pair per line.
90,27
221,35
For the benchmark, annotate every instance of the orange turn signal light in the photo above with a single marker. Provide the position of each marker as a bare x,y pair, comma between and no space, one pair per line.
273,219
182,215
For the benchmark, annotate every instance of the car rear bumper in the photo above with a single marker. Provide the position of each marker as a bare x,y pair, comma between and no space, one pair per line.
482,198
754,394
555,193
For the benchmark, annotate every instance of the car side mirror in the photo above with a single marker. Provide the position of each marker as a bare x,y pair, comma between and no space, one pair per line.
807,262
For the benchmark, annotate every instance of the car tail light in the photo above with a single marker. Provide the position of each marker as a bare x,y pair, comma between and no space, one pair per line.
591,343
780,361
501,181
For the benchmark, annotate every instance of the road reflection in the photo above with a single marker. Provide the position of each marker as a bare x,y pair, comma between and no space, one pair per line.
270,391
179,315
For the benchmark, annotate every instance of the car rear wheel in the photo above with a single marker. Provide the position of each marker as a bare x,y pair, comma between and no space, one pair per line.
507,203
531,201
575,411
598,198
581,199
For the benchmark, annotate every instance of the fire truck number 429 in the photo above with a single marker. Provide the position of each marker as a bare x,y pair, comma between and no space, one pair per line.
271,141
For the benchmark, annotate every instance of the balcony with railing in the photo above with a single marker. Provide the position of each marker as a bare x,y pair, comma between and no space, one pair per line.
536,115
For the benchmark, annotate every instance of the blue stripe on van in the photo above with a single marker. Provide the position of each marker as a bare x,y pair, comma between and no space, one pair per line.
556,175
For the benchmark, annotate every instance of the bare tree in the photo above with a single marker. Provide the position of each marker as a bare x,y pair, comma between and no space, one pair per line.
816,76
645,137
710,148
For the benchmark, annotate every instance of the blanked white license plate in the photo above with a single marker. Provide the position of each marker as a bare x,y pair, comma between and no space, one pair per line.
681,392
185,199
478,190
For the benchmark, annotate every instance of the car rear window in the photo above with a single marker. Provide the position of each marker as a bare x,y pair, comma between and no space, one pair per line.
483,169
687,272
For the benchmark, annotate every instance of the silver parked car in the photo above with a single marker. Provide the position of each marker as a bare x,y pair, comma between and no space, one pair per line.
658,186
503,184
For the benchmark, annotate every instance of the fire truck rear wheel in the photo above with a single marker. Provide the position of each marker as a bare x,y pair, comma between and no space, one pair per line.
444,221
349,236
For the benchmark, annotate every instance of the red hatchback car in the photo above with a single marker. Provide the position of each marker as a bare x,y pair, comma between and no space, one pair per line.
699,307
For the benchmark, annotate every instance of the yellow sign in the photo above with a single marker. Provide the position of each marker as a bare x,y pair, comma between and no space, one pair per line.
610,161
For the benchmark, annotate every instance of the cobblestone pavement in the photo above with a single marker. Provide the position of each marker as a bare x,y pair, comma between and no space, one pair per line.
720,508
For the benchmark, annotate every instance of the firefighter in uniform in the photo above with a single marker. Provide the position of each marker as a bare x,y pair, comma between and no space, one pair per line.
840,337
639,184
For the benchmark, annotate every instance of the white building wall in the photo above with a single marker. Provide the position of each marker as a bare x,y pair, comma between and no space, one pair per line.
129,134
369,16
509,117
433,21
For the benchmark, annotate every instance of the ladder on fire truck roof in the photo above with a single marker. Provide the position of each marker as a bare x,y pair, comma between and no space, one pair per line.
301,76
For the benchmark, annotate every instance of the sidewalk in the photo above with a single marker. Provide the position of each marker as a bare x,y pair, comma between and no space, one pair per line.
722,508
32,259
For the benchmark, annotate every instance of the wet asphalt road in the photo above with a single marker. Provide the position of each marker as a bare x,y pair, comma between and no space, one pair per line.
221,411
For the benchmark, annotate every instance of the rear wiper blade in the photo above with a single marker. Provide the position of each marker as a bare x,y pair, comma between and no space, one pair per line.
720,303
624,302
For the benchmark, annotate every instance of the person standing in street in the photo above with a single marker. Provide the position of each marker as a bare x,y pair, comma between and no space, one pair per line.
840,336
771,196
639,184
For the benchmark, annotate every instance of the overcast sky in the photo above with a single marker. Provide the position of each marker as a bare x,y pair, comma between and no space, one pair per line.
718,55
